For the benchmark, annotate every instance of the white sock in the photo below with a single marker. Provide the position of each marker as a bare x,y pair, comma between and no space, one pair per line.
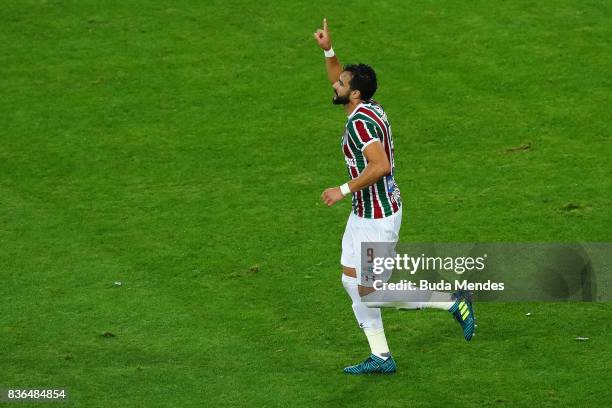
369,319
420,300
366,317
378,342
439,300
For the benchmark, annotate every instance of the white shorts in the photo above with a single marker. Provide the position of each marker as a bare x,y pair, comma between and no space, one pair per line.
360,230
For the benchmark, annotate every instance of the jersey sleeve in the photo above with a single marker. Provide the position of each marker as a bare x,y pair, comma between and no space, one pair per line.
362,133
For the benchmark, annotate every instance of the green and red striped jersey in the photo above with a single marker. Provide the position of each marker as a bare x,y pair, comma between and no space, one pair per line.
366,124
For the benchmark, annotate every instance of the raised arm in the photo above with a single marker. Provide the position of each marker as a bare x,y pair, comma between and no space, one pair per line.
334,69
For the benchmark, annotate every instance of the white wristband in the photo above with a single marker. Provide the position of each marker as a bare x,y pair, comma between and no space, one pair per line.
329,53
344,189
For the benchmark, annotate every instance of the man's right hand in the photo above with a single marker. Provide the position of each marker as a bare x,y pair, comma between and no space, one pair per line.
322,37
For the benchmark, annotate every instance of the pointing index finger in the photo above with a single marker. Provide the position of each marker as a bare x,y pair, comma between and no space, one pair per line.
325,24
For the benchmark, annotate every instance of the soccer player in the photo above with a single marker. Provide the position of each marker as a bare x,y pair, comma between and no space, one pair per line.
367,144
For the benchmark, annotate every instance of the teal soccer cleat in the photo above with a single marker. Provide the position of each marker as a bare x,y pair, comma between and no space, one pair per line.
464,313
373,365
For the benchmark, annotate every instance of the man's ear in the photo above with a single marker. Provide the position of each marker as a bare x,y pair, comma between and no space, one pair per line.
357,95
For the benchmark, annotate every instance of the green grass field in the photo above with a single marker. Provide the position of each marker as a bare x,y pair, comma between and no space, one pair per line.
181,148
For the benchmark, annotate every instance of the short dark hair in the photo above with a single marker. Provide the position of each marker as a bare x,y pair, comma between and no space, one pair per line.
363,80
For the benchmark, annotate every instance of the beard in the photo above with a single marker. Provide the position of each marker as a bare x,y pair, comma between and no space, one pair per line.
340,100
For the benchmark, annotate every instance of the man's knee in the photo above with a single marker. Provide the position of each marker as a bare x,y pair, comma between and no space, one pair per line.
349,271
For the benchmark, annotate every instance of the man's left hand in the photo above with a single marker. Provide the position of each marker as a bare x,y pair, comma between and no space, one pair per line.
331,196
